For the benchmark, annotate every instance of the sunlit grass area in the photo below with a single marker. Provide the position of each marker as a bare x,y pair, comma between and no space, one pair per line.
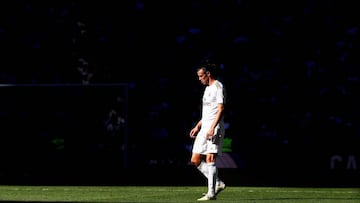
174,194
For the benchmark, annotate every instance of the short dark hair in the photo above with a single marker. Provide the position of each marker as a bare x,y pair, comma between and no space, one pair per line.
208,65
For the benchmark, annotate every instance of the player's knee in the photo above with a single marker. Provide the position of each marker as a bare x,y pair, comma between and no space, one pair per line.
195,162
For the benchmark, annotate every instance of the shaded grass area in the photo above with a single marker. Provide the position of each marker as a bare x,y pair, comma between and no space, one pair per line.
171,194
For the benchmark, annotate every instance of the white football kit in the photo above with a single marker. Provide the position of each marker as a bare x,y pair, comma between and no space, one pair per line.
213,95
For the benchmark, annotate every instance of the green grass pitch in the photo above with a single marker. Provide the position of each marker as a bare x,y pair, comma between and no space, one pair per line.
179,194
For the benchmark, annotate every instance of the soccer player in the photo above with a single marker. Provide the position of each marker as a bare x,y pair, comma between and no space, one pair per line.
209,131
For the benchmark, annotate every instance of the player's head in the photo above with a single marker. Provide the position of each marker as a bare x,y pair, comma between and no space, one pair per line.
206,71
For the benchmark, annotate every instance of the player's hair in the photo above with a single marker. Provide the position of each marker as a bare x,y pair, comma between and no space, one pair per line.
208,65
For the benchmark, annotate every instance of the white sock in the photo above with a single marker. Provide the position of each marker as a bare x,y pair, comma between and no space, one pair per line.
211,178
203,168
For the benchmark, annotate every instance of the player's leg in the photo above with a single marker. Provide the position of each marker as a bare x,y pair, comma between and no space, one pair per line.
211,168
198,161
203,168
212,172
197,158
220,185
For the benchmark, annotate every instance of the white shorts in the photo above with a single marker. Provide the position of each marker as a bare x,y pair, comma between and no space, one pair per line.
209,146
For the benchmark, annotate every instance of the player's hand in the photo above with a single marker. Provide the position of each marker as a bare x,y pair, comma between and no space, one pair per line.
193,132
210,134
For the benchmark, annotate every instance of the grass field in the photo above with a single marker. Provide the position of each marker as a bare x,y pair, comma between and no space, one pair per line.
175,194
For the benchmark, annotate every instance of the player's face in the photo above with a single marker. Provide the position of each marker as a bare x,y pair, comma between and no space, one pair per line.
203,77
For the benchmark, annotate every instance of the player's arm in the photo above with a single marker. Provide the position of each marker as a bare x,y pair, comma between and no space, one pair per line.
195,130
216,121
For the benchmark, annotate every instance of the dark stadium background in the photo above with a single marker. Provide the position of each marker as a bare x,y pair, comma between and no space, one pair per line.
104,92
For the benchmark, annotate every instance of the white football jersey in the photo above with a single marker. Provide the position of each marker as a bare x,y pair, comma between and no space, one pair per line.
213,95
